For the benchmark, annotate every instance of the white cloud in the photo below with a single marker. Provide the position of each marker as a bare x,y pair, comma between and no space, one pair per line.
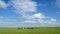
1,17
1,21
35,18
38,18
30,21
3,4
53,20
7,19
40,15
58,3
37,15
23,6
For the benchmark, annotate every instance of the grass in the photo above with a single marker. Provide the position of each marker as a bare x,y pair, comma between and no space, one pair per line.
41,30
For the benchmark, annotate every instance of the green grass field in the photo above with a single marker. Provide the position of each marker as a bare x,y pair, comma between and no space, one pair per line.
41,30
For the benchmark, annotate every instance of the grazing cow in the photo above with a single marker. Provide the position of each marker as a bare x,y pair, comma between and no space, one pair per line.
30,28
20,28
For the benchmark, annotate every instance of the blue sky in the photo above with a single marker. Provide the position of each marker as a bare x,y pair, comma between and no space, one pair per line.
23,13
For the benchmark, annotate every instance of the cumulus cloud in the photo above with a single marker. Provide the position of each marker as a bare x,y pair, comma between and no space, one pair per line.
53,20
23,6
38,18
3,4
39,15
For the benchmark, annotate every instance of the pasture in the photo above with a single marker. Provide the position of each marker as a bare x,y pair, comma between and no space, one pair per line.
40,30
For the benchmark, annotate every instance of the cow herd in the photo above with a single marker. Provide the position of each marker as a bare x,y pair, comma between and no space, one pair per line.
28,28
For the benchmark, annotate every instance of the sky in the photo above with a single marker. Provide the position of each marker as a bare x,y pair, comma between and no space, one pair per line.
29,13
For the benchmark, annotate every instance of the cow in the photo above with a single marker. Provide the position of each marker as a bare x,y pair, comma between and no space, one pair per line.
30,28
20,28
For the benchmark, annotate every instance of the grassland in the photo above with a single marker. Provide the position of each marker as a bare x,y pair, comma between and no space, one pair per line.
41,30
